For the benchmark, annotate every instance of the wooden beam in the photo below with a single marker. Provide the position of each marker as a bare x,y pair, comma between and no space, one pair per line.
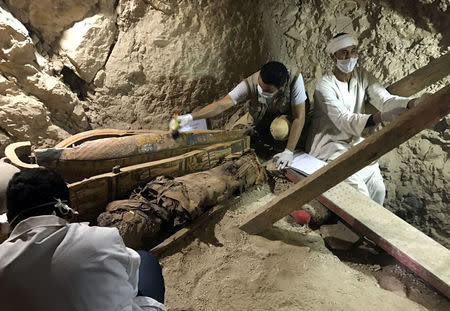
407,125
418,252
90,196
423,77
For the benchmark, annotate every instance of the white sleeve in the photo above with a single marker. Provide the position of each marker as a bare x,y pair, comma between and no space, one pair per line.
147,304
345,120
381,99
240,93
298,91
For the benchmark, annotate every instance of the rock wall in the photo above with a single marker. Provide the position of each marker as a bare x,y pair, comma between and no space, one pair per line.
34,105
69,65
175,54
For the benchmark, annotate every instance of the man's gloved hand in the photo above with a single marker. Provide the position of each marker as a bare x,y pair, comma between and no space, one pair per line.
417,101
183,120
283,159
391,115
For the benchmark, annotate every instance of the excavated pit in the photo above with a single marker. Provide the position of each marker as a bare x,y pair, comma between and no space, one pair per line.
68,66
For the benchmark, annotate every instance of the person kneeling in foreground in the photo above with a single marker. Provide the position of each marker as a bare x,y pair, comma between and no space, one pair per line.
339,113
50,264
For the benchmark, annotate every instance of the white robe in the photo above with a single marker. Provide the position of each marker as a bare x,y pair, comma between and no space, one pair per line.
339,118
49,264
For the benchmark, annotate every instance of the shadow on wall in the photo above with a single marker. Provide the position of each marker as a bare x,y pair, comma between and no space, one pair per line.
75,83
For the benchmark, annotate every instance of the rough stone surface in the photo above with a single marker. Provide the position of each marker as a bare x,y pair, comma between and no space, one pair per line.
34,105
50,17
25,118
417,178
183,54
338,236
87,44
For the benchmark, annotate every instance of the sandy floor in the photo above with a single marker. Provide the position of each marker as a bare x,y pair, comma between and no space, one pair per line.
289,268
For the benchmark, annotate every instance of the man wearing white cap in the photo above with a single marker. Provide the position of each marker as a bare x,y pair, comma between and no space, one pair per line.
339,112
277,101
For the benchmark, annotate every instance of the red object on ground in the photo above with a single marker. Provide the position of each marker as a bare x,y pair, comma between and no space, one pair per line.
301,217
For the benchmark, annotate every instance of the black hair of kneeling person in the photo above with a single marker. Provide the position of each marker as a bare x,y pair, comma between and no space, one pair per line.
31,188
274,73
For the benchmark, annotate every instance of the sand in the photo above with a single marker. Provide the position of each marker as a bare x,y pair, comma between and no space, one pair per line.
223,268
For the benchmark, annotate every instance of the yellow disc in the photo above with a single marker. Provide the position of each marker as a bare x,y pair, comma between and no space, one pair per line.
279,128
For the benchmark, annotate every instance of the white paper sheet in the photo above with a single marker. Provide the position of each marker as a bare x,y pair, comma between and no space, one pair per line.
306,164
3,218
195,125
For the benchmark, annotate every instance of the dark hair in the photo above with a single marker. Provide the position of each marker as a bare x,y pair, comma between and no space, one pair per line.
274,73
339,34
31,188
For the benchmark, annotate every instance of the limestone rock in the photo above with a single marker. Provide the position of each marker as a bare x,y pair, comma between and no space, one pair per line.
63,104
25,118
17,47
21,74
87,44
50,17
338,236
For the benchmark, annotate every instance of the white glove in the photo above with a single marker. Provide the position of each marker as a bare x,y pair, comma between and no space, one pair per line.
183,120
391,115
283,159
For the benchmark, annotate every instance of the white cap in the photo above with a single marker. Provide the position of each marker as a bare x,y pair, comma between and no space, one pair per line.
340,42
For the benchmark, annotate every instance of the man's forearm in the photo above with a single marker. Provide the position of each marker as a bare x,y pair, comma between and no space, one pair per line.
295,132
214,109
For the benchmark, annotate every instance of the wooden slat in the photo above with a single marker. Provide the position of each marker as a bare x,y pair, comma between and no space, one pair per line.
90,196
423,77
410,123
420,253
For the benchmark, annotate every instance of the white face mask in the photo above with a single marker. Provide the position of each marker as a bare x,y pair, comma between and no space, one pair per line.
265,95
346,65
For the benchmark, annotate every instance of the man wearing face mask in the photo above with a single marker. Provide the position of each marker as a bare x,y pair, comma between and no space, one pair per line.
339,112
271,92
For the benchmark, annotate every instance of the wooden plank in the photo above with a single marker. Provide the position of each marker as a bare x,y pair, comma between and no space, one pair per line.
420,253
423,77
90,196
410,123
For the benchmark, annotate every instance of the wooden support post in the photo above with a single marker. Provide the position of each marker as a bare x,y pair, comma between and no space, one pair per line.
421,78
407,125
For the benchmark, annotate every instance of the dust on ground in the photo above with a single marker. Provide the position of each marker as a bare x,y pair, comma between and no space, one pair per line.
288,268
